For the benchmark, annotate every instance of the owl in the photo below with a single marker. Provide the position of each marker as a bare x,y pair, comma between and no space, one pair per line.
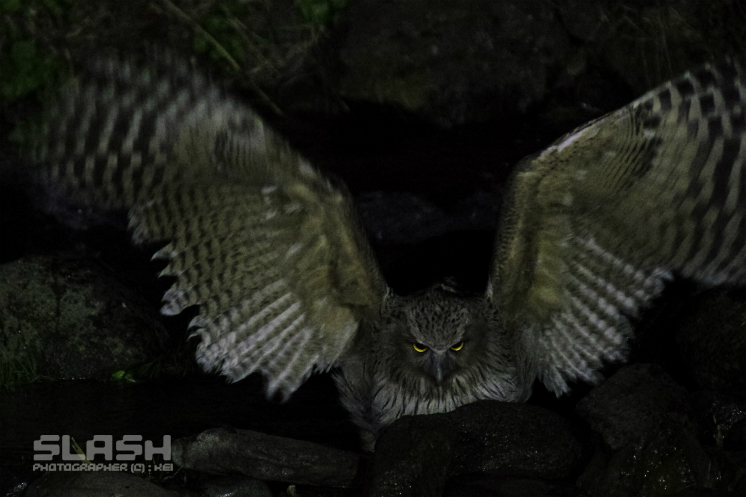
272,252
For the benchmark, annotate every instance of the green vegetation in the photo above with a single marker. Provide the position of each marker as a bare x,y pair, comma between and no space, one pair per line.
122,376
27,69
176,362
220,34
20,371
41,40
321,12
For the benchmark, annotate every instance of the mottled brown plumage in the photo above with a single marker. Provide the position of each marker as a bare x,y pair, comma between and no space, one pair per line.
286,283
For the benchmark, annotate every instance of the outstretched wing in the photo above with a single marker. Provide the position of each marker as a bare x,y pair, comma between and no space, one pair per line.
268,248
601,219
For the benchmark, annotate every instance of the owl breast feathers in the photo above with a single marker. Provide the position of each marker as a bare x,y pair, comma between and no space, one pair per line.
286,282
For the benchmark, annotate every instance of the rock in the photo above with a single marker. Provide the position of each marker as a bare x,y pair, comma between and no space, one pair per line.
417,454
631,403
507,487
266,457
420,244
732,466
705,492
656,441
14,481
404,218
722,429
583,19
735,439
69,318
95,484
647,43
712,340
720,419
235,486
452,62
664,460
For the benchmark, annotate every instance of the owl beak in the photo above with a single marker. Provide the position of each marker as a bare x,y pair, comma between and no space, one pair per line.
438,373
436,367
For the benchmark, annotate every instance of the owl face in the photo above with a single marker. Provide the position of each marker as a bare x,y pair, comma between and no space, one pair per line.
435,337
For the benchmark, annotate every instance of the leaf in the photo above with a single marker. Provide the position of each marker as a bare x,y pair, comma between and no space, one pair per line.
53,7
10,6
23,51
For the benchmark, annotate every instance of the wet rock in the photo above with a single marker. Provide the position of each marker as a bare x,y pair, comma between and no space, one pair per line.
235,486
507,487
266,457
417,454
453,62
419,243
95,484
13,484
404,218
663,461
735,439
631,403
705,492
720,419
647,43
655,441
583,19
66,317
722,430
712,340
732,466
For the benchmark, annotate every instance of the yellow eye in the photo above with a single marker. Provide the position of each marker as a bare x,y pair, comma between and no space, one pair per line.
419,347
458,346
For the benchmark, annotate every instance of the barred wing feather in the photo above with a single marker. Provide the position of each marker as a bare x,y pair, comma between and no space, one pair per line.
268,248
599,221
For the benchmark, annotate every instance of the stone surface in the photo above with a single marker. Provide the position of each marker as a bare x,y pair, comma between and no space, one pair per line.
735,438
712,340
454,62
95,484
417,454
659,440
266,457
69,318
646,43
732,466
507,487
663,461
235,486
631,403
403,218
720,419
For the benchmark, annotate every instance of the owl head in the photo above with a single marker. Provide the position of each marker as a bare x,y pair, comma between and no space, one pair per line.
434,337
